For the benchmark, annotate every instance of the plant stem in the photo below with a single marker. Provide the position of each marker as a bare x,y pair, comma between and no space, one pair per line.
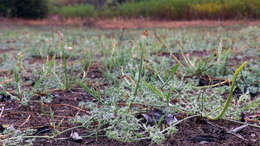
65,66
175,124
17,81
230,92
47,137
252,125
140,69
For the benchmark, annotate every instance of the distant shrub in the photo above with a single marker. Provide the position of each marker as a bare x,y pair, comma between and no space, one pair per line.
131,9
24,8
108,12
207,10
156,9
78,10
190,9
254,8
7,8
179,9
235,8
31,8
166,9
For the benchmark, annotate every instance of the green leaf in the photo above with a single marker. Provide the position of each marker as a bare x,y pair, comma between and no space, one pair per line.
230,92
174,69
154,90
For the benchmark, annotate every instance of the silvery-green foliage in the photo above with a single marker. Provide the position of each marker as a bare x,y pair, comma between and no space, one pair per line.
19,137
155,134
124,126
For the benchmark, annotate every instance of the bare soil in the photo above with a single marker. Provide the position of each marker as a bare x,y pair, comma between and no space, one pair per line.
65,106
119,23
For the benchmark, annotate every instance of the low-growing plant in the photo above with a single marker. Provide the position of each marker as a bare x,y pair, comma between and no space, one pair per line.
158,91
230,92
92,92
215,65
197,67
18,82
64,62
140,70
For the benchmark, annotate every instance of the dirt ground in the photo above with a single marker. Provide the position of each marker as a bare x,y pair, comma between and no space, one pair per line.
195,131
126,24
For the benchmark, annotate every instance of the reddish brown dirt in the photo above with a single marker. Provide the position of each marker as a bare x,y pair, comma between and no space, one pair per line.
65,107
2,51
189,131
129,23
141,23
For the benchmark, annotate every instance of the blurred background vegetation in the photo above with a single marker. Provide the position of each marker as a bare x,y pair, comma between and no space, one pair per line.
155,9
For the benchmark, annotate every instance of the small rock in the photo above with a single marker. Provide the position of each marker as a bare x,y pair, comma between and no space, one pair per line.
76,138
253,135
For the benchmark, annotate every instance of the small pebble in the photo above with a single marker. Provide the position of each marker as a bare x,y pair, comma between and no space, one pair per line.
204,142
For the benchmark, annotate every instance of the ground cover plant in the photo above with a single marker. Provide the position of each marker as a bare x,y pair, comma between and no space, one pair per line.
129,87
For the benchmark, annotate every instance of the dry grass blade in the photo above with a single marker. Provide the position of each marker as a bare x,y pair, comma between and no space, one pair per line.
2,111
158,38
129,78
5,81
26,121
77,108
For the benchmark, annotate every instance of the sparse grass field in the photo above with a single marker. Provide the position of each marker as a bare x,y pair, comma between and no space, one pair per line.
68,86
